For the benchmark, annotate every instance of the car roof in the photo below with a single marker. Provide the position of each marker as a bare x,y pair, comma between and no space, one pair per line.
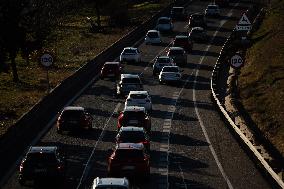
43,149
131,48
212,5
164,17
181,36
110,181
164,57
178,7
170,67
129,76
74,108
112,63
153,31
197,28
134,108
176,48
131,128
136,146
139,92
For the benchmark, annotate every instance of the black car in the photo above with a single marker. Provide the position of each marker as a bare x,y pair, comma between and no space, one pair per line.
42,162
178,13
197,20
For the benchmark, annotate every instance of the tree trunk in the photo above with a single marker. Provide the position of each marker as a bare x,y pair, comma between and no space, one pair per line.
14,69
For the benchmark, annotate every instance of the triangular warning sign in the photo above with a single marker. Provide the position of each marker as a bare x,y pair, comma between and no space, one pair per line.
244,20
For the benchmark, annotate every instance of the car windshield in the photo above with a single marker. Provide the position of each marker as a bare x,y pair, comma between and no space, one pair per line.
138,96
134,115
124,154
197,31
212,7
164,21
74,114
163,60
41,158
129,51
177,10
111,66
131,136
153,34
170,69
131,80
181,40
197,17
175,52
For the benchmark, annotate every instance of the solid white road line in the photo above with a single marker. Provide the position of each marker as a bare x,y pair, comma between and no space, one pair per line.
87,167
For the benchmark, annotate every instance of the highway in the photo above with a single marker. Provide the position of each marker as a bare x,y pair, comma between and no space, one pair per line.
191,147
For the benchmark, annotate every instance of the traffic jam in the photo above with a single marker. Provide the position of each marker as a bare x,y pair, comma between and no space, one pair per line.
129,157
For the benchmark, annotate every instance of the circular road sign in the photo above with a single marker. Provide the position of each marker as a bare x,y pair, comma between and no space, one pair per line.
237,61
46,60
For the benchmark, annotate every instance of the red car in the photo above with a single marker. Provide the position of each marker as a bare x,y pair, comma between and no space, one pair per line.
183,41
111,69
129,159
73,118
134,116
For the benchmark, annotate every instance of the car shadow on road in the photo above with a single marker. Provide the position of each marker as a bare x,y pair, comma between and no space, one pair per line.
207,53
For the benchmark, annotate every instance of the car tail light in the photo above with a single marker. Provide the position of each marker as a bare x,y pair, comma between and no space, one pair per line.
145,142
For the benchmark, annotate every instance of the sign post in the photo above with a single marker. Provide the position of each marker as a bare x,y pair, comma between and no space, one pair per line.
47,60
236,63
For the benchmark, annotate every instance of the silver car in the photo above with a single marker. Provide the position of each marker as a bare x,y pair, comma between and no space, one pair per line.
170,74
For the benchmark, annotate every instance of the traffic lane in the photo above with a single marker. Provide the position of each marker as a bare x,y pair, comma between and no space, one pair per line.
237,165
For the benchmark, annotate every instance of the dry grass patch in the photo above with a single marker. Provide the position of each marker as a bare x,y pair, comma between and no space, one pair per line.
262,78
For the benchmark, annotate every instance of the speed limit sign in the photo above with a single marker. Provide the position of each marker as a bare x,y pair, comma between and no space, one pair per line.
237,61
46,60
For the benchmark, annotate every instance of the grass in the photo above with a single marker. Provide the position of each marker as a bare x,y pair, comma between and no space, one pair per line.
73,45
262,78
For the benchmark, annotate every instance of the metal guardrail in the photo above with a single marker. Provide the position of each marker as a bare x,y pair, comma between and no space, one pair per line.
213,85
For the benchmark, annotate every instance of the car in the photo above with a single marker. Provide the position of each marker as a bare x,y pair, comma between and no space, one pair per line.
42,162
212,10
110,183
183,41
164,24
111,69
198,34
160,62
74,118
129,159
130,54
178,13
153,37
197,20
133,135
127,83
139,98
170,74
134,116
178,54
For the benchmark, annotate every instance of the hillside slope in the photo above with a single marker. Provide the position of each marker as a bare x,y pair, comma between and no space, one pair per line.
262,78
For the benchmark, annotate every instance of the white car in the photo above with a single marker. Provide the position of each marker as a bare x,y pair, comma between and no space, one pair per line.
139,98
153,37
212,10
165,24
130,54
160,62
105,183
170,74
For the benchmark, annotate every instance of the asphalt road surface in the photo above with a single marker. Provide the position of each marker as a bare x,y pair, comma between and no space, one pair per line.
191,147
